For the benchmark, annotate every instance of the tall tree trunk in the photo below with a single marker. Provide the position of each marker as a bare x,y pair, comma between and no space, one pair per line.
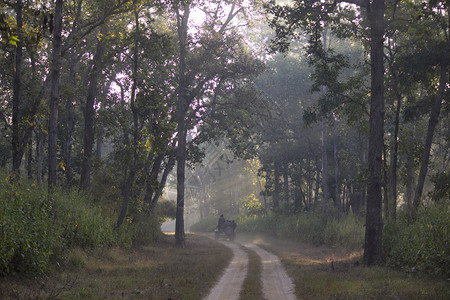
286,183
169,166
181,111
69,120
30,158
385,183
17,147
409,183
276,185
393,161
152,178
126,192
55,74
324,170
89,115
432,123
40,140
336,170
374,221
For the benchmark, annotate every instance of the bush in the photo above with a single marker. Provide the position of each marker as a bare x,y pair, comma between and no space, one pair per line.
143,229
207,224
420,244
34,228
83,224
27,235
307,227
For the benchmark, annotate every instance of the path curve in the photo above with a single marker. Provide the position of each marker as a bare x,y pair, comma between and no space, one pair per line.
230,284
276,283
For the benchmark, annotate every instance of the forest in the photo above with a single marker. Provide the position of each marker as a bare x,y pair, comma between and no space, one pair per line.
324,121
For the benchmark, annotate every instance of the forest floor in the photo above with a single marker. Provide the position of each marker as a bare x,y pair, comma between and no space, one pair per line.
162,271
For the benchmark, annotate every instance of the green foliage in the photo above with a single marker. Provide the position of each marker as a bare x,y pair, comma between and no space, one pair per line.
82,223
35,228
441,190
166,209
421,243
27,236
143,229
253,206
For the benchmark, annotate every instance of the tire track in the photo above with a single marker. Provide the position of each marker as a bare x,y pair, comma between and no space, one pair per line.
230,284
276,282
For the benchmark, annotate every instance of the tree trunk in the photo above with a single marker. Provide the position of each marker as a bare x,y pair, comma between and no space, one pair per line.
394,160
276,186
374,221
169,166
286,183
70,121
324,170
30,158
432,123
17,147
126,192
55,74
40,140
336,171
385,184
181,111
89,115
409,183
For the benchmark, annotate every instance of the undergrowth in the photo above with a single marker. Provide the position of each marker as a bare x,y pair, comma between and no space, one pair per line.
36,229
305,226
420,243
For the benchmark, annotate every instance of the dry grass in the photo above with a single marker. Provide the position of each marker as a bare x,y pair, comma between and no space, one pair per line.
252,289
152,272
335,273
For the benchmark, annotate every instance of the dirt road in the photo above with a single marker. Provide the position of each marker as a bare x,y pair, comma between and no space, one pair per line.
230,283
276,284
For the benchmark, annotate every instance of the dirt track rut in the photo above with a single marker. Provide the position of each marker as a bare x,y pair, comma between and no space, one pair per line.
276,284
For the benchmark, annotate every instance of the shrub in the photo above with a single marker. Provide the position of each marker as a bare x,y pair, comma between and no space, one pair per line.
420,243
82,223
253,206
143,229
27,235
34,228
207,224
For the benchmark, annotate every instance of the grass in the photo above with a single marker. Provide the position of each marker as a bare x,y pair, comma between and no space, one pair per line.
335,273
160,271
252,289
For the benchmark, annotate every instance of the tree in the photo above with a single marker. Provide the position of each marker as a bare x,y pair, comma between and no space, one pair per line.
55,74
312,16
434,9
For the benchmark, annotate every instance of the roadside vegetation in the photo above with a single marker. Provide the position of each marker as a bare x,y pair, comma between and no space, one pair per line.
417,244
156,271
322,272
37,230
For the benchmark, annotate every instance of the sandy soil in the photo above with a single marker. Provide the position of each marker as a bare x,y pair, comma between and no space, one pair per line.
276,284
230,284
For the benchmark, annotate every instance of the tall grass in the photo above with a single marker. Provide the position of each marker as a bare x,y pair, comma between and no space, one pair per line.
35,228
422,243
307,227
